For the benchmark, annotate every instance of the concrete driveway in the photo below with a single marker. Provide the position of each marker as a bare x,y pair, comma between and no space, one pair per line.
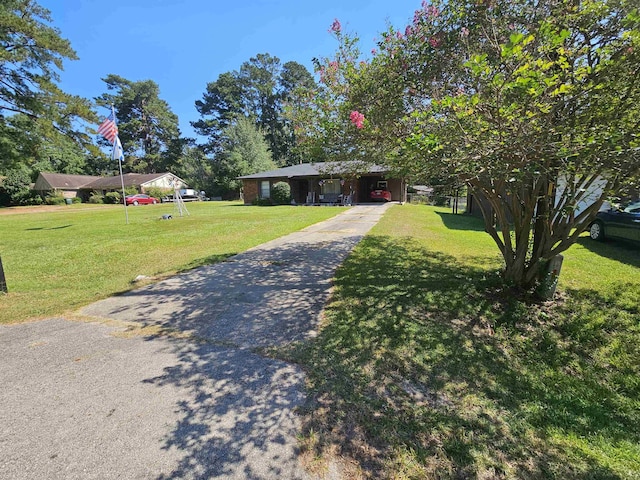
104,399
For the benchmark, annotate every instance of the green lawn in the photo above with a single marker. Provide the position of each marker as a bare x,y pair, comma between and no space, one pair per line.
58,261
426,368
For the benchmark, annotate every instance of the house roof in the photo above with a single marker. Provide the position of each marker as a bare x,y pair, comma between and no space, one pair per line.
318,169
48,181
130,179
67,181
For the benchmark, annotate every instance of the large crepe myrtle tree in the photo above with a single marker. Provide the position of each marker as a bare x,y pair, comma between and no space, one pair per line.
530,103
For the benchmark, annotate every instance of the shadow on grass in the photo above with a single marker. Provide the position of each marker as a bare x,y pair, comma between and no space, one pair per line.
621,251
50,228
412,365
455,221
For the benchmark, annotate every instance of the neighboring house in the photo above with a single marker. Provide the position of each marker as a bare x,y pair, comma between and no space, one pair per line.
82,185
61,183
329,182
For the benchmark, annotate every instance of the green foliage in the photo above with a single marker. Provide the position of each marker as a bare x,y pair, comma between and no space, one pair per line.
32,53
331,119
56,199
158,192
244,151
259,90
195,168
76,200
147,127
16,186
113,197
262,202
281,193
96,197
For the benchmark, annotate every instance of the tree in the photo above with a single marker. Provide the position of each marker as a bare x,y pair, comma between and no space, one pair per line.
528,103
16,186
194,167
245,151
259,90
146,125
33,111
327,118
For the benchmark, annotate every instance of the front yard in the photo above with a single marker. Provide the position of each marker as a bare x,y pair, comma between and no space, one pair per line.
426,368
67,257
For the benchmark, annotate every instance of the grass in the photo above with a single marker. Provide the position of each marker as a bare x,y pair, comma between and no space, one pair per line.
426,368
60,260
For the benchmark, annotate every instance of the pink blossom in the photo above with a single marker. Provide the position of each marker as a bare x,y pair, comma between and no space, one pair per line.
373,51
464,32
434,42
408,31
335,26
357,119
430,9
399,35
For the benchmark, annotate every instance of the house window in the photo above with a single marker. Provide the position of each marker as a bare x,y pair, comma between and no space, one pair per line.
265,189
331,187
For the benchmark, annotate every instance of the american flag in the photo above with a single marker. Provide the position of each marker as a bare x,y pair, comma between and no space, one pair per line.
108,129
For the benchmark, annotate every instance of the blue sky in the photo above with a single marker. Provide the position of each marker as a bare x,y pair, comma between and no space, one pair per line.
184,44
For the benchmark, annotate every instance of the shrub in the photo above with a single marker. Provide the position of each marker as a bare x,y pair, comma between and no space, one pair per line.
281,193
262,202
112,197
34,200
96,198
16,186
56,199
158,192
77,200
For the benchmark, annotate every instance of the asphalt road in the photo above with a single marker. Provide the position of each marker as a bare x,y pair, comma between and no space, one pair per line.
102,399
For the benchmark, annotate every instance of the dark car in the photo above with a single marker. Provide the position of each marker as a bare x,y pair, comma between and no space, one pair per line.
140,199
623,222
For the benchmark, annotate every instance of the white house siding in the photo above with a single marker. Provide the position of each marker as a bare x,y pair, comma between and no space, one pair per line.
593,193
168,182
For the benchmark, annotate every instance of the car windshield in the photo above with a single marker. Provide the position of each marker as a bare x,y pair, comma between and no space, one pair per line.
633,207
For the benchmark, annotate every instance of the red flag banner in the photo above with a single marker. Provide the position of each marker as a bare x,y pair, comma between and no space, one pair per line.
108,129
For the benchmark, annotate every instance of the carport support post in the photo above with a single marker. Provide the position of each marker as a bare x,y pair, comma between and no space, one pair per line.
3,281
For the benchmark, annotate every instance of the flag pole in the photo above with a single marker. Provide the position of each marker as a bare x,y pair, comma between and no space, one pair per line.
113,154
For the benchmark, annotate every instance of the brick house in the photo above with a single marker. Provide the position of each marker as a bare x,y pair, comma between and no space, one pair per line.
325,183
71,186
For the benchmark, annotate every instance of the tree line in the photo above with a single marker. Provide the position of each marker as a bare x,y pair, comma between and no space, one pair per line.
44,129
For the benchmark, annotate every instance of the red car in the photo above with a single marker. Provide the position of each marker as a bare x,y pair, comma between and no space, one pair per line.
140,199
380,194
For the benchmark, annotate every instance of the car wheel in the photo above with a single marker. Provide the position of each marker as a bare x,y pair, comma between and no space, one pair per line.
596,231
154,202
135,202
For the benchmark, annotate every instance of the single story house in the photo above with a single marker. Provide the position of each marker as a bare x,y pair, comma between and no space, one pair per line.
82,185
325,182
